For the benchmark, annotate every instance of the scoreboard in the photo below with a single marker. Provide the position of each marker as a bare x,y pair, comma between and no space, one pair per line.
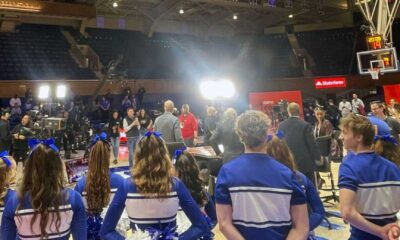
374,42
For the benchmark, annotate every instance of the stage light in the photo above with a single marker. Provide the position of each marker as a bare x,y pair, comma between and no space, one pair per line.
44,92
235,17
115,4
209,89
217,89
181,11
61,91
227,90
290,16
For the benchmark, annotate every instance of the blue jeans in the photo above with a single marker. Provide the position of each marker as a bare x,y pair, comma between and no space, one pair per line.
131,148
115,146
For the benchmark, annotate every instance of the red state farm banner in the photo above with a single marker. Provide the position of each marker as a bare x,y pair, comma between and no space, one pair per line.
330,82
392,92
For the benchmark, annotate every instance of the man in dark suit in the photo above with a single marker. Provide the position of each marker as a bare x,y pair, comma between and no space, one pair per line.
298,136
5,135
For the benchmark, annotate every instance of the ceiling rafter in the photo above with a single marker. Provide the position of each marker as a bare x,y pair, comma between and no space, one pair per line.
219,12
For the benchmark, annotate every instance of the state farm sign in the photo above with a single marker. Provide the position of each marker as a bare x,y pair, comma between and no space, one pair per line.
330,82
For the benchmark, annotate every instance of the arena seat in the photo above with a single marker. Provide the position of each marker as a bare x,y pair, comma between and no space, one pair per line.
38,52
167,55
332,50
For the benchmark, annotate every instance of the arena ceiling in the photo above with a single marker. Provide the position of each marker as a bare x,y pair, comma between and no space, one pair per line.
251,14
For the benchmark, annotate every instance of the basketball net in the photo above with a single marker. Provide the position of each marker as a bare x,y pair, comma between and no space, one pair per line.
374,73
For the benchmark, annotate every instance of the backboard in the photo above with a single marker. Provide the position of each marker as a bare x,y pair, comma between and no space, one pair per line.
383,59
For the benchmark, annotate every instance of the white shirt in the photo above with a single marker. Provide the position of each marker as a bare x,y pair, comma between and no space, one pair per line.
356,103
15,101
345,108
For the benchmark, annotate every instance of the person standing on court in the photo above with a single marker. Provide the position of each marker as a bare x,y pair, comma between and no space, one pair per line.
168,125
298,135
358,105
188,124
131,127
345,107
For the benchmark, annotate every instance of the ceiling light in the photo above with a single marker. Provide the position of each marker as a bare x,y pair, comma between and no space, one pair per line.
115,4
290,16
181,11
235,17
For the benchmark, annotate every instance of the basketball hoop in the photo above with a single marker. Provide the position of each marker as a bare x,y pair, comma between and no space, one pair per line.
374,73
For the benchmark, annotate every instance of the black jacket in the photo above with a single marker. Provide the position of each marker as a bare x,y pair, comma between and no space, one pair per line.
299,137
5,136
20,144
225,134
114,122
210,124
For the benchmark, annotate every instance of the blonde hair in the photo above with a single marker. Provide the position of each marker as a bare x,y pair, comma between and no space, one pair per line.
359,125
211,110
252,127
318,109
152,169
230,115
7,176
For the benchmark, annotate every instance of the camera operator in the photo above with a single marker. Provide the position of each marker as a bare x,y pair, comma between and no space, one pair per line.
74,120
21,134
5,136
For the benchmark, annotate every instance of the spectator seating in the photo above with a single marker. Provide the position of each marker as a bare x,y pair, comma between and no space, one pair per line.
179,56
38,52
332,50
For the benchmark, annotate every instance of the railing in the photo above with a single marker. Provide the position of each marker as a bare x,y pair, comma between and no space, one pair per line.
79,56
74,50
92,59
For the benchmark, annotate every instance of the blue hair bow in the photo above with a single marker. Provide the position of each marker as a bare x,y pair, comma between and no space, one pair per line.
149,133
386,138
99,137
169,233
34,142
279,134
5,159
178,153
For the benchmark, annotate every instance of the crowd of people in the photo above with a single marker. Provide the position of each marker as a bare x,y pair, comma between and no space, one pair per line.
266,186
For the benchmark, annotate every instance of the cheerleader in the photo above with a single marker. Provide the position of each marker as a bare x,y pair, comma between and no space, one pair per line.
256,196
152,196
99,185
364,175
187,171
43,208
279,150
7,171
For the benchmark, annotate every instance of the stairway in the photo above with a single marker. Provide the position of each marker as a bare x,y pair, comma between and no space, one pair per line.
303,58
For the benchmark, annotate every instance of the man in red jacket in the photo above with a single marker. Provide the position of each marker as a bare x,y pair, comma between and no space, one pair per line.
188,123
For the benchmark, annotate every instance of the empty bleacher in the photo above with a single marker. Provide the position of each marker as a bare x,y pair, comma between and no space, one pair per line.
179,56
36,52
332,50
41,52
